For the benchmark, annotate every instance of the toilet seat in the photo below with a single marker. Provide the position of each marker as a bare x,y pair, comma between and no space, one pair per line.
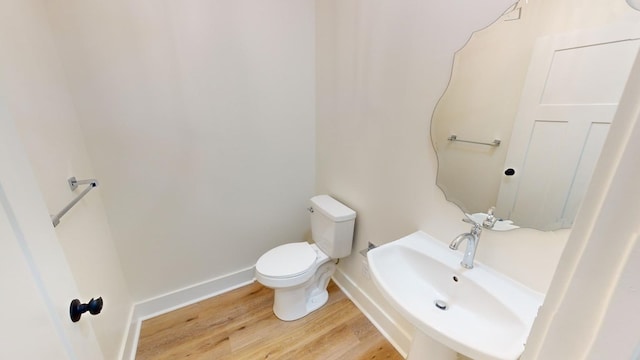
287,261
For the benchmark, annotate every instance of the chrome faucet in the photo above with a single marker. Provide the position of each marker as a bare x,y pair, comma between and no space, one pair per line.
472,237
490,220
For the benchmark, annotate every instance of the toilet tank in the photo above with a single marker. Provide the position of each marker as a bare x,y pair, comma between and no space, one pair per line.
332,226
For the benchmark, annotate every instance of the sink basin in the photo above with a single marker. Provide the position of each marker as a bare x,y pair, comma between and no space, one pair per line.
477,312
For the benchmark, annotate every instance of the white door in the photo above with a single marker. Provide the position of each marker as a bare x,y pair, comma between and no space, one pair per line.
570,96
36,285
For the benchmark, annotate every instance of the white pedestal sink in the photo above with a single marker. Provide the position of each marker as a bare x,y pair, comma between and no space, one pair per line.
479,313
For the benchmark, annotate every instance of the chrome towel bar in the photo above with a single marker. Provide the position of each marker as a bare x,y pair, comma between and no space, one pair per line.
73,184
495,142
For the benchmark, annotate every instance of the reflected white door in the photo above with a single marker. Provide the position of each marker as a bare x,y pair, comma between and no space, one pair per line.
35,281
570,97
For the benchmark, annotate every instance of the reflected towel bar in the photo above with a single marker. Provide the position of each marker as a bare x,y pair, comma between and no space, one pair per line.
496,142
73,184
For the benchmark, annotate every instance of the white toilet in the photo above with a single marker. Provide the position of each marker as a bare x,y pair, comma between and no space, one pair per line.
299,272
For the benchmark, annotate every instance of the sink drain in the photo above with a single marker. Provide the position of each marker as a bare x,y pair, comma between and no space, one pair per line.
440,304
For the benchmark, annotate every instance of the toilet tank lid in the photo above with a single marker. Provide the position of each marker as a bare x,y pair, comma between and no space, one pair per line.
332,208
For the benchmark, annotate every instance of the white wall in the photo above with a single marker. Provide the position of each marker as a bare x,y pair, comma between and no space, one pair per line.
381,69
199,120
38,98
380,72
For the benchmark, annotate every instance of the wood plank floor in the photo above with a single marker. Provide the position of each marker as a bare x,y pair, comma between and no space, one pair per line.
240,325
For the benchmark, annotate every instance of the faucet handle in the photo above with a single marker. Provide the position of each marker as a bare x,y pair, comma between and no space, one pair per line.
473,219
467,220
476,229
490,220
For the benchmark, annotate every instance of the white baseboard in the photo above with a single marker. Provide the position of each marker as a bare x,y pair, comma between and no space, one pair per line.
180,298
398,337
128,349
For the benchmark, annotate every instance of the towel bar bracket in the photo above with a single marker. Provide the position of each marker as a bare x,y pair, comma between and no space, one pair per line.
73,183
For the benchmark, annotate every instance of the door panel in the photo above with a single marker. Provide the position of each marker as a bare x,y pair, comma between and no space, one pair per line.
23,312
569,99
589,73
37,284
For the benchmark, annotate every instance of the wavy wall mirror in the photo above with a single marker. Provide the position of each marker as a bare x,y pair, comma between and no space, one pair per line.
528,107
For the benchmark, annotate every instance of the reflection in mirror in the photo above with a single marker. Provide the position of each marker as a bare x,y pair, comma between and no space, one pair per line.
532,97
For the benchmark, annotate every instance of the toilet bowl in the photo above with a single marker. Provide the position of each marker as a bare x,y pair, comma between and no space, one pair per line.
300,272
